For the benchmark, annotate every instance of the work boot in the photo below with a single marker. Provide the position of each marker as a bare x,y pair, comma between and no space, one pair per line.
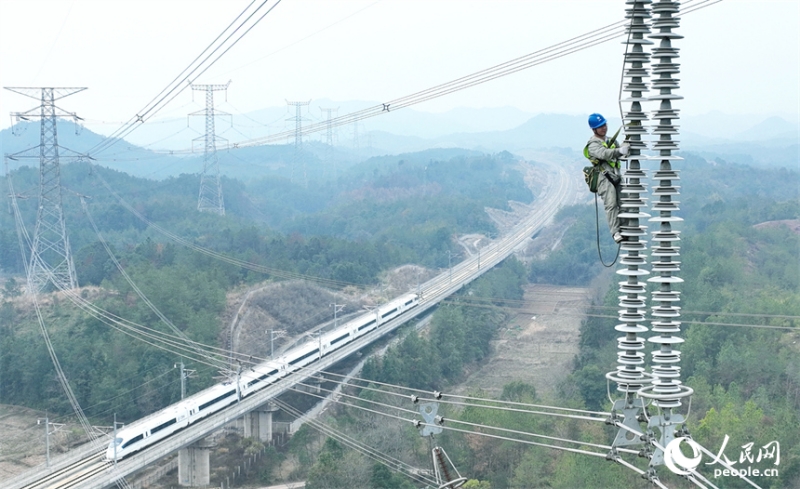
618,237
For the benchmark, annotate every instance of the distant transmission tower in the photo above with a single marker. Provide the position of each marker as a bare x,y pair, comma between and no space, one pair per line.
330,140
51,258
210,198
298,138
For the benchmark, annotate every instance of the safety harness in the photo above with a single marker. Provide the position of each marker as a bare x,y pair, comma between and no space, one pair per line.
591,174
608,143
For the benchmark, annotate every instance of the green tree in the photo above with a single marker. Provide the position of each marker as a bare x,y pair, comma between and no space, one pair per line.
11,288
382,478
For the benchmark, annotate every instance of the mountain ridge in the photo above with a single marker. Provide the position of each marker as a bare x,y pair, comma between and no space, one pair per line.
772,142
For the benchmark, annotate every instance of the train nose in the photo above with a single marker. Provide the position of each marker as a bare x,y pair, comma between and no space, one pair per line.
113,451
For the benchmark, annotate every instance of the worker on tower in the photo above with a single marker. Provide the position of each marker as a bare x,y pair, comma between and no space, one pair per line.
604,153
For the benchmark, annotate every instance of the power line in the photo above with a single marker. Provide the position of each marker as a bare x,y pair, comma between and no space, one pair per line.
556,51
217,255
479,426
418,423
377,455
483,300
298,132
180,334
194,70
301,40
24,238
607,316
409,411
152,337
653,441
436,397
116,322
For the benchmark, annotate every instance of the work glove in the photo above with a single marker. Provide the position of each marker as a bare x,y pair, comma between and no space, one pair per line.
624,150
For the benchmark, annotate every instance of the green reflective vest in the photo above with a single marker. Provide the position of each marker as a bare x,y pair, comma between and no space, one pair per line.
595,161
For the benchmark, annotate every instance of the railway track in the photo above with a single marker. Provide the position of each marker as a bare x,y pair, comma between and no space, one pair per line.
73,474
91,471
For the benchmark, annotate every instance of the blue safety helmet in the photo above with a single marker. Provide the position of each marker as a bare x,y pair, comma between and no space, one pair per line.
596,120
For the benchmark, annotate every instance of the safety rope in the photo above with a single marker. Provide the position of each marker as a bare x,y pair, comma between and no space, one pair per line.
597,229
622,119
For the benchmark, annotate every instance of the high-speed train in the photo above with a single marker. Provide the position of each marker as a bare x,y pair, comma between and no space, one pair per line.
147,431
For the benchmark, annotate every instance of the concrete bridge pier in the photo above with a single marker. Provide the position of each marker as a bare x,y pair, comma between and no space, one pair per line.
194,469
258,423
313,386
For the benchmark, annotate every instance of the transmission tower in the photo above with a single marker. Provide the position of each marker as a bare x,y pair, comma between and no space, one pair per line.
210,198
330,138
666,391
298,138
51,258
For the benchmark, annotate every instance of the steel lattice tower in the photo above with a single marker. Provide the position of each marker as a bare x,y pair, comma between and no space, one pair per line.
51,258
210,197
666,390
329,139
298,138
630,373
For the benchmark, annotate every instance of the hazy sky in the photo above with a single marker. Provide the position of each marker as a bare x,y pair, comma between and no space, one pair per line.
738,56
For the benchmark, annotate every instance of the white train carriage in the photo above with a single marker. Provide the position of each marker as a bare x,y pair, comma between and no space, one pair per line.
166,422
303,355
366,323
154,428
261,376
149,431
348,332
211,400
391,310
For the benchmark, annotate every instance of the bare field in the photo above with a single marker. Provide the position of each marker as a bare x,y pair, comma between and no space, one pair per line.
22,445
538,345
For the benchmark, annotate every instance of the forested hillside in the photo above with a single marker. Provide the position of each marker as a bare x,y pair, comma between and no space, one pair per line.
746,379
436,192
739,264
410,208
737,271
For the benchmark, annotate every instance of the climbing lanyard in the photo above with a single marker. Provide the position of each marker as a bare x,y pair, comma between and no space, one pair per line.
597,228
